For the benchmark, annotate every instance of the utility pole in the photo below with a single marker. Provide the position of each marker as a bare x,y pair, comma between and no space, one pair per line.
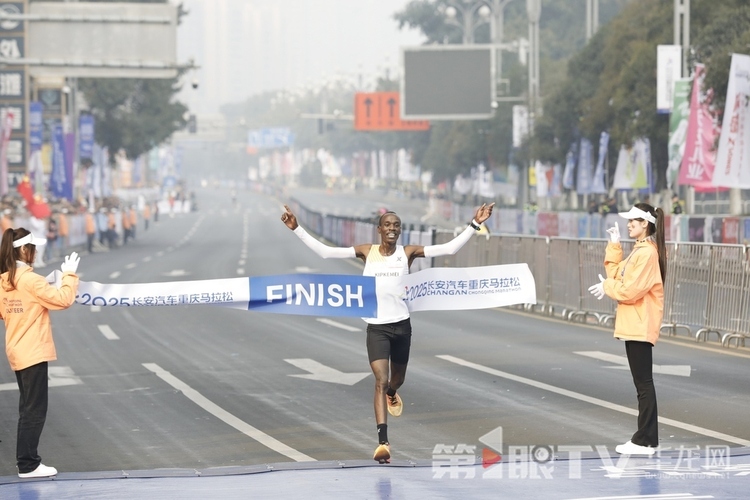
534,12
682,38
592,18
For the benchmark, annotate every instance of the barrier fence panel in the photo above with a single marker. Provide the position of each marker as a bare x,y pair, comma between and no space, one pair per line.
591,254
692,267
540,269
707,287
564,276
726,291
669,321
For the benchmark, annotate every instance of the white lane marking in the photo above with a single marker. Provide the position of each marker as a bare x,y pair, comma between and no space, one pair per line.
159,254
147,259
114,275
108,333
336,324
58,376
665,496
595,401
175,273
96,309
62,375
622,362
131,265
226,417
240,271
323,373
241,262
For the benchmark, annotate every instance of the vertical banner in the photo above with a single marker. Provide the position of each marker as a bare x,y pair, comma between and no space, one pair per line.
598,184
568,180
668,70
69,146
36,138
57,179
542,181
86,135
678,125
7,128
733,157
585,160
36,126
633,169
698,161
520,124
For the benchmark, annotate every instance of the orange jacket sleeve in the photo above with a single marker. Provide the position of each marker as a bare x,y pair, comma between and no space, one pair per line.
641,274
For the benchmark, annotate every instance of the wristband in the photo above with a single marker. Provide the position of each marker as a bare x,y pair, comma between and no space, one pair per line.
475,224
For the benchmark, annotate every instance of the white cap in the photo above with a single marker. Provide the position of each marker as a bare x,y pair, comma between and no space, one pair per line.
29,238
637,213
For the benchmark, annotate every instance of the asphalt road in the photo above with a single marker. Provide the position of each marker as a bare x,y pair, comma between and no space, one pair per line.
203,386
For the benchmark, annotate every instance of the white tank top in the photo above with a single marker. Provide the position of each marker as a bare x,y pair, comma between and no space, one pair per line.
388,286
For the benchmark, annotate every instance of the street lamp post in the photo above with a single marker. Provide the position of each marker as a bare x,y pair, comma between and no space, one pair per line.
534,12
462,14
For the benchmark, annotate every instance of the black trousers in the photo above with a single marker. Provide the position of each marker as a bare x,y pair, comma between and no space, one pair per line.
32,413
640,359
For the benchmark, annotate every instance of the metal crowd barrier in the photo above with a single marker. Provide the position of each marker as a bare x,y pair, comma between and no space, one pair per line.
707,289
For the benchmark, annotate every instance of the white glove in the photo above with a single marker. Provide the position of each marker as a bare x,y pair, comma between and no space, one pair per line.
598,289
70,264
614,233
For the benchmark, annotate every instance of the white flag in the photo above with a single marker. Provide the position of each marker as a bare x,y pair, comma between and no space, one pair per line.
733,158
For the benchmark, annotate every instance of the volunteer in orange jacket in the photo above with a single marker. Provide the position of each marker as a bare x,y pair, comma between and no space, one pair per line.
26,300
637,284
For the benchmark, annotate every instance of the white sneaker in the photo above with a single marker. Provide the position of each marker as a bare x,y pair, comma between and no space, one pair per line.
630,448
41,471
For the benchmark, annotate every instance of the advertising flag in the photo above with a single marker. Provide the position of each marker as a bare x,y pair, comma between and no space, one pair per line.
58,180
7,128
86,135
633,169
585,160
570,166
733,157
598,185
698,161
678,125
668,70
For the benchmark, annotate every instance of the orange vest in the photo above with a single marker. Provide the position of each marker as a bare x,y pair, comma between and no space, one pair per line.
147,212
90,224
62,225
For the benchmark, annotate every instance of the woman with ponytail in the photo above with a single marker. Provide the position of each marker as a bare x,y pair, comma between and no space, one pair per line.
637,284
25,301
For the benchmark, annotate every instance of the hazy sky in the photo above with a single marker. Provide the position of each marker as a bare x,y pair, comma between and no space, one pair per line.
248,46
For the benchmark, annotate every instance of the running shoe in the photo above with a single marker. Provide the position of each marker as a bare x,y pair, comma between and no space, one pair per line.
395,405
630,448
382,453
41,471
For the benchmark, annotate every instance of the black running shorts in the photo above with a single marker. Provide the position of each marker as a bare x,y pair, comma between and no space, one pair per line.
391,340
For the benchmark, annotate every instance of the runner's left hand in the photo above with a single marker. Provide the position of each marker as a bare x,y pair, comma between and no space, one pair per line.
483,212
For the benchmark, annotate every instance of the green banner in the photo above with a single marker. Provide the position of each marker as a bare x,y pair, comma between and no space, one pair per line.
678,125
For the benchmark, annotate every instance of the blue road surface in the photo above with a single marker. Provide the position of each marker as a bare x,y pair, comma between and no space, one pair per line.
677,474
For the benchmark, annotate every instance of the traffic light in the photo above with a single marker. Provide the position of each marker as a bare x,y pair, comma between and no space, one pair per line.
192,124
